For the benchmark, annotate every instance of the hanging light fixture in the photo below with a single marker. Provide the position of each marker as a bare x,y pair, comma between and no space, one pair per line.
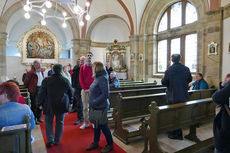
42,7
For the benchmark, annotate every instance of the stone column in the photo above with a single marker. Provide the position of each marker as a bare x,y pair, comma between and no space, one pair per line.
134,46
3,71
80,48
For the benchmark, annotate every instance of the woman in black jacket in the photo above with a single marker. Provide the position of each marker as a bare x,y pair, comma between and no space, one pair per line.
221,127
98,100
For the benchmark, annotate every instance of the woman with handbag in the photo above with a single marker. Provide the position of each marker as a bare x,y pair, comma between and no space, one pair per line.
221,125
98,103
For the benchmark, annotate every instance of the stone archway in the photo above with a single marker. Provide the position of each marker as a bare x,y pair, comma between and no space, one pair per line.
208,28
3,34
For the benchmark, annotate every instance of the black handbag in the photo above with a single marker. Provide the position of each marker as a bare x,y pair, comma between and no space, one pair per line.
98,117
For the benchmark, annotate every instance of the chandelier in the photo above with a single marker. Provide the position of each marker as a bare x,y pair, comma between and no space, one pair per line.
41,7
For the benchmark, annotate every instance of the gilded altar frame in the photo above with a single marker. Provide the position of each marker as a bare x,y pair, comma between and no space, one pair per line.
39,43
115,56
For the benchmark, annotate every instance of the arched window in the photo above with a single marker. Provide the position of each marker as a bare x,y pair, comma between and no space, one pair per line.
173,38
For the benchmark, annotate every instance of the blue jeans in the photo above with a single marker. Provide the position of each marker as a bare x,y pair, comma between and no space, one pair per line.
58,127
106,131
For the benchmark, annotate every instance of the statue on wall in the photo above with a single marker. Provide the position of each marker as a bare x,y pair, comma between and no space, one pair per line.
115,56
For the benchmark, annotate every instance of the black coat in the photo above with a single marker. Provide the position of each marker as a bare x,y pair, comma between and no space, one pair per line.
221,127
75,77
55,95
176,79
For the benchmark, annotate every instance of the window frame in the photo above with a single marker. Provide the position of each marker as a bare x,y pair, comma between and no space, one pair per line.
181,36
183,16
182,50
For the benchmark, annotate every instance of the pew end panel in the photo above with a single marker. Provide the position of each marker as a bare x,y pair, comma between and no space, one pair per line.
17,139
170,117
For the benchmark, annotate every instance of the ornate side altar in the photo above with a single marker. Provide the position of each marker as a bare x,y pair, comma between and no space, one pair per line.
39,43
115,56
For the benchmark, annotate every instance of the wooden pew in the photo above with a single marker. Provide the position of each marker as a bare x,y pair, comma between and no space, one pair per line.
136,107
170,117
17,140
137,84
133,92
22,87
135,87
26,96
24,90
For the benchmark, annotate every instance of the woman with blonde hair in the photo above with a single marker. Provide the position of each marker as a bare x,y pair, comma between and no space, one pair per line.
66,74
98,103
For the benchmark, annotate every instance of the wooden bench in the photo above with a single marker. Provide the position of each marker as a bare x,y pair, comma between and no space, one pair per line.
170,117
17,140
137,84
135,87
24,90
133,92
136,107
26,96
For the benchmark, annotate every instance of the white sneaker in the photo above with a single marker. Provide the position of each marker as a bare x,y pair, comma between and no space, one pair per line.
84,126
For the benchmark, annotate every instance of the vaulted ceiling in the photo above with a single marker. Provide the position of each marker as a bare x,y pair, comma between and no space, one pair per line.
130,11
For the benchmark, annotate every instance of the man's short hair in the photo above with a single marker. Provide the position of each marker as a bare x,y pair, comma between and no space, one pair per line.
176,58
57,68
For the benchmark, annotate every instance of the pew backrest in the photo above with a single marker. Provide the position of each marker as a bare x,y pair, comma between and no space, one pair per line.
17,140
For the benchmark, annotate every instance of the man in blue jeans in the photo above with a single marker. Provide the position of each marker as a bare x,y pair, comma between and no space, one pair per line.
55,98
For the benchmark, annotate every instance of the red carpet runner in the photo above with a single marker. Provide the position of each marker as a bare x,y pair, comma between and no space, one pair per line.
75,140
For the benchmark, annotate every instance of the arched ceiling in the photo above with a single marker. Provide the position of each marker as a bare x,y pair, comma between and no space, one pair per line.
129,10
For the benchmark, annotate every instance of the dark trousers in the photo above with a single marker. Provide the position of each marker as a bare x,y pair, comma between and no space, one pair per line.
78,104
106,131
34,104
58,127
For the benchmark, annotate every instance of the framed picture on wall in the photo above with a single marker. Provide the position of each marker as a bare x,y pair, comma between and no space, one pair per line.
39,43
212,48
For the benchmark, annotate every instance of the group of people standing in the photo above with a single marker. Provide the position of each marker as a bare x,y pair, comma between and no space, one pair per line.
86,87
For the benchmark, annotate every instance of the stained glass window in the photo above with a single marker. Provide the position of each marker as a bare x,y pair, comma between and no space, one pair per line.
191,14
176,15
162,56
191,52
164,23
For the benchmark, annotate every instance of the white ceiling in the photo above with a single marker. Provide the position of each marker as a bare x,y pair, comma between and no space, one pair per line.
99,8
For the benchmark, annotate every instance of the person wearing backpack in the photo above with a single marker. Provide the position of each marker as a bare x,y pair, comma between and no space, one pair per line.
221,125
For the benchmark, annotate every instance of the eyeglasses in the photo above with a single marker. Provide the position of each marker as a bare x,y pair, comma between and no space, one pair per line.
89,55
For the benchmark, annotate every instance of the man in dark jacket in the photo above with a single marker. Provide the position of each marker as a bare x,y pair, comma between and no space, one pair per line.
176,79
77,91
55,97
33,82
221,125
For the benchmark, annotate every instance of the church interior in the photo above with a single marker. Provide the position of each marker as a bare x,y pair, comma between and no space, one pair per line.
136,38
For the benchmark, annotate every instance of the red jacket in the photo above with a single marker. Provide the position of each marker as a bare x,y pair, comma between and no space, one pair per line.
86,76
31,81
